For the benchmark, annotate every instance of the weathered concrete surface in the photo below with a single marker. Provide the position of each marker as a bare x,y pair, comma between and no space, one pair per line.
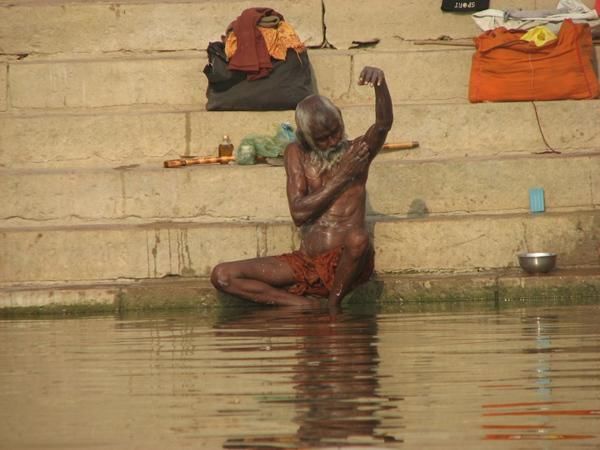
570,125
95,27
208,193
59,298
121,252
502,288
229,192
446,244
178,80
115,27
422,74
393,22
595,184
560,285
3,85
472,186
443,130
92,84
332,72
426,75
485,129
471,243
82,140
124,137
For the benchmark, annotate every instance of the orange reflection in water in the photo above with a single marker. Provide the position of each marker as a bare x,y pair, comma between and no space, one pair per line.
567,412
518,427
514,405
536,437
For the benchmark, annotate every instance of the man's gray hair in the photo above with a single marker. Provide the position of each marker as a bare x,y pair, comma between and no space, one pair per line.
316,110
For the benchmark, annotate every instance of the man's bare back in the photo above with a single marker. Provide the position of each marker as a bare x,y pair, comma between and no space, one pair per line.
326,190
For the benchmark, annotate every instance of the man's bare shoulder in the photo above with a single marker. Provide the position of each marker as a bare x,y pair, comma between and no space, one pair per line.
293,154
293,147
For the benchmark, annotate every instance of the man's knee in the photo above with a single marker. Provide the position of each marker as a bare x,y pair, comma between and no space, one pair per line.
357,242
221,276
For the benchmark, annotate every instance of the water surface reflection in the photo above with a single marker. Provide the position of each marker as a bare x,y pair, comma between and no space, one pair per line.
334,376
474,376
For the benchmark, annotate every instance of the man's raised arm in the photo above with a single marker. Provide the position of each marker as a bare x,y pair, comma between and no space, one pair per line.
384,111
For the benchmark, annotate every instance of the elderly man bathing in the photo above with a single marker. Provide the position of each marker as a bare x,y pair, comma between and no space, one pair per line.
326,190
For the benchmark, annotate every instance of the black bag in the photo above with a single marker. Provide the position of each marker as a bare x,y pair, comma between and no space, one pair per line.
289,82
465,5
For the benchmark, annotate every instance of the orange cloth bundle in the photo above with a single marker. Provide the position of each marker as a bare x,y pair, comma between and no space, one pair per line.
506,68
277,40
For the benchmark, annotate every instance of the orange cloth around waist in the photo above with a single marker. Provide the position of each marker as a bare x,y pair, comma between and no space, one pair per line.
278,41
315,275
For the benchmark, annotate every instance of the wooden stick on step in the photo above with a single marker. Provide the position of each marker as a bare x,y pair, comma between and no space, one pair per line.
451,43
171,163
390,147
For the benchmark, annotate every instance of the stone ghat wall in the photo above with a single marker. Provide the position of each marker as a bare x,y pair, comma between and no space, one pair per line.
94,96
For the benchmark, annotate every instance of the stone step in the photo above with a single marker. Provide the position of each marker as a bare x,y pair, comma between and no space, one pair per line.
415,74
100,27
395,22
122,137
501,288
176,80
155,250
103,27
226,193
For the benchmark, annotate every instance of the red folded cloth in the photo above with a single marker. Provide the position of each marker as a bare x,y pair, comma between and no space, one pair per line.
251,55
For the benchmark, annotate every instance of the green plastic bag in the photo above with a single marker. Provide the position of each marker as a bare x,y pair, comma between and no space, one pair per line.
265,146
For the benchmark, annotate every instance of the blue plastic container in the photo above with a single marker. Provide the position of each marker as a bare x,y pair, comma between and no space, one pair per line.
536,200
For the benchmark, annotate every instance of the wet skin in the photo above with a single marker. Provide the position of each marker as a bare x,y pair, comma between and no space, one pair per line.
328,208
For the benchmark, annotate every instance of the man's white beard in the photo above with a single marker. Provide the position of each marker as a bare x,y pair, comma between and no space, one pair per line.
324,160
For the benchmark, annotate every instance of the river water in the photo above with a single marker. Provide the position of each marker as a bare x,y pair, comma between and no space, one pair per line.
464,376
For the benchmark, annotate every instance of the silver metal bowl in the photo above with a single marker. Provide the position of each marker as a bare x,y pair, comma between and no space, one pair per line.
537,262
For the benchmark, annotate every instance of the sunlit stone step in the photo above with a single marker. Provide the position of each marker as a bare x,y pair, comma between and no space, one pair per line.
415,74
154,250
510,286
101,27
119,89
150,136
395,22
225,193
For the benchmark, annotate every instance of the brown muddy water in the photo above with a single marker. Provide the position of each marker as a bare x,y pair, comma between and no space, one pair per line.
473,376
